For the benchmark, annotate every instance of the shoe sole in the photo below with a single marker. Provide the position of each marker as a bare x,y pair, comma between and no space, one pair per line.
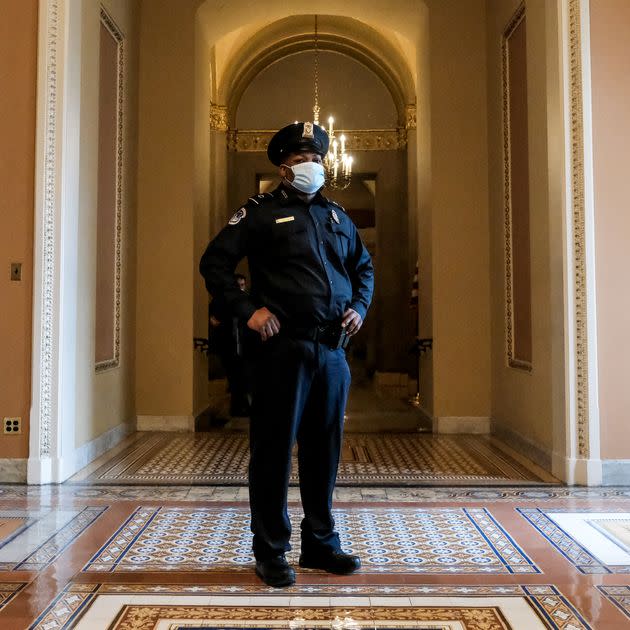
275,583
305,565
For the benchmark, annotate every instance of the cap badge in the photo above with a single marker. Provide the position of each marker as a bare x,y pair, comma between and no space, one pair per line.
334,216
237,216
308,130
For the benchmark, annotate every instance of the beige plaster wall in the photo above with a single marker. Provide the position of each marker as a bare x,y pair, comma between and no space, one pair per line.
105,400
166,269
18,76
201,216
459,209
610,75
521,401
420,197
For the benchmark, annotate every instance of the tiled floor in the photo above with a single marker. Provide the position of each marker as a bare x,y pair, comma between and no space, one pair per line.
368,459
164,558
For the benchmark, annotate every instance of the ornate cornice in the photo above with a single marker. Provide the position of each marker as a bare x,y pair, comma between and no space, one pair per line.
578,227
218,117
513,24
410,117
357,140
116,33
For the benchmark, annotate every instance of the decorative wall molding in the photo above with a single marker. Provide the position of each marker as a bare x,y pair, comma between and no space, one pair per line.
410,117
218,117
43,412
252,140
116,33
513,24
578,235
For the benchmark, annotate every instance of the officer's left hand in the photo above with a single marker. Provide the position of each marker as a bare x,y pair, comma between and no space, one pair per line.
352,321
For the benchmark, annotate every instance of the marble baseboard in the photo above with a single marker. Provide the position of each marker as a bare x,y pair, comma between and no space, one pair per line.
616,472
461,424
89,451
527,447
13,470
166,423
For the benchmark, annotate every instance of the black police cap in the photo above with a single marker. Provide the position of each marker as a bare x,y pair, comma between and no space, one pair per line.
299,136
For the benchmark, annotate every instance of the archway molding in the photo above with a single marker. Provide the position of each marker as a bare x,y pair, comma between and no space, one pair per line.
336,34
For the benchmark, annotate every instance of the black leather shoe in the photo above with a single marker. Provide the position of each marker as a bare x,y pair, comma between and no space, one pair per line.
275,571
336,562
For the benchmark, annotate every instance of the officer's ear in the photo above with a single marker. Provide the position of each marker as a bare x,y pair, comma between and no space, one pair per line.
286,172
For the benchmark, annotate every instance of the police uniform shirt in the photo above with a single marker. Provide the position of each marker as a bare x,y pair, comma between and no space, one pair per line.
307,261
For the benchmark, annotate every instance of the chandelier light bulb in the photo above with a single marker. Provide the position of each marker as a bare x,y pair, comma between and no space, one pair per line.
331,120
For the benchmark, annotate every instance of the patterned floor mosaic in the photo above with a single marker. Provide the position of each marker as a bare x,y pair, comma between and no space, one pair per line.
440,540
37,538
8,590
49,495
619,596
367,460
178,557
138,607
594,542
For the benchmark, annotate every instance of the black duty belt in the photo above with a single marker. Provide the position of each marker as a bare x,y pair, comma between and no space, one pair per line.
330,334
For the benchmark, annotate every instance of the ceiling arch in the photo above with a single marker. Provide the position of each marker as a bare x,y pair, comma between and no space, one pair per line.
404,18
295,34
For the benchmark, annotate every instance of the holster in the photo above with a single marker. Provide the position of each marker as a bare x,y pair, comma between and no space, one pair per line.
335,336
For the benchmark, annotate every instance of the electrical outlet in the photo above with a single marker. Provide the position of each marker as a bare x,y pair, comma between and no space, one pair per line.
16,272
12,425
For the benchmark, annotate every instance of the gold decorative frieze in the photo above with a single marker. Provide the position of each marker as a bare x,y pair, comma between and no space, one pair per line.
410,117
357,140
578,225
218,117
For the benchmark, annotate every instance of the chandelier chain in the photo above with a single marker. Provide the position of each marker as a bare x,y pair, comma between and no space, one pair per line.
316,106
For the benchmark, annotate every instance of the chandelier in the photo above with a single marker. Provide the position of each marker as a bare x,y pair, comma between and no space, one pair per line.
337,163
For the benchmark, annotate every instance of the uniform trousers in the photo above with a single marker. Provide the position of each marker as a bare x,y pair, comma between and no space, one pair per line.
300,389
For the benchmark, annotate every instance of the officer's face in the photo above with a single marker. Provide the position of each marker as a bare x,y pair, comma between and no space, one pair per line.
298,158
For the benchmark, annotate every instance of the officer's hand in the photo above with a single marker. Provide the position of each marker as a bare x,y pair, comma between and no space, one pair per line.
264,322
352,322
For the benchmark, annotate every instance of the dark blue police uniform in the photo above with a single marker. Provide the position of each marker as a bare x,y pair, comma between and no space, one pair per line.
307,265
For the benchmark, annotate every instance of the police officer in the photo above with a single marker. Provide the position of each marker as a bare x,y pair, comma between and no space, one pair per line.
311,284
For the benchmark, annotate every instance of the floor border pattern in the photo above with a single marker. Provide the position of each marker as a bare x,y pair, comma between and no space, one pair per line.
548,603
580,557
618,596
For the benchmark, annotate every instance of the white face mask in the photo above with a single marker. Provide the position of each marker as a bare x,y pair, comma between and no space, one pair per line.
308,177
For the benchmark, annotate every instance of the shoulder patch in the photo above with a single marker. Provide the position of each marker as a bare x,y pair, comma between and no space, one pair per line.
238,216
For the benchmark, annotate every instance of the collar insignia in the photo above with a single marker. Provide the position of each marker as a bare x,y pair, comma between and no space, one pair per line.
335,217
